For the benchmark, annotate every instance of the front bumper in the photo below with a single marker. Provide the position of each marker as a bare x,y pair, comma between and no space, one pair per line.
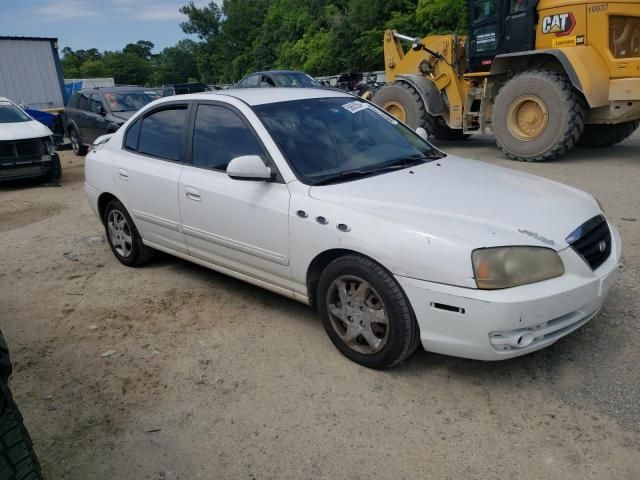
15,169
501,324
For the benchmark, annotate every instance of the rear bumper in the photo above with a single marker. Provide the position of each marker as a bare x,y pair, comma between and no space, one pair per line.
501,324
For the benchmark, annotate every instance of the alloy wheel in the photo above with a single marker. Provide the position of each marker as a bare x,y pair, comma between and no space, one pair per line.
120,233
358,314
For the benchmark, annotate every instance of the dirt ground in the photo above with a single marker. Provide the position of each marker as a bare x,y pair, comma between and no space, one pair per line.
214,379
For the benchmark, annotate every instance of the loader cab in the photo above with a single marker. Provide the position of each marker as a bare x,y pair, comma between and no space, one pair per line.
497,27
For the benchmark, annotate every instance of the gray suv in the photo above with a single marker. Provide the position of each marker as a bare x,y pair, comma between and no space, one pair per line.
92,113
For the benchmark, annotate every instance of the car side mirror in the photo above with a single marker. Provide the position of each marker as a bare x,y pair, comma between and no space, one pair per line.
101,110
422,133
248,167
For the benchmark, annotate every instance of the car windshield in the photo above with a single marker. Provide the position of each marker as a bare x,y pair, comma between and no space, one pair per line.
300,80
9,113
327,140
129,102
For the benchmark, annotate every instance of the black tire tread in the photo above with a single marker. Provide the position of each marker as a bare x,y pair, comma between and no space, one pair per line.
18,460
575,125
435,126
417,100
598,136
411,334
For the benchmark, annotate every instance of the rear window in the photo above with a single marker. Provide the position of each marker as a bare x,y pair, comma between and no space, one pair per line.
161,133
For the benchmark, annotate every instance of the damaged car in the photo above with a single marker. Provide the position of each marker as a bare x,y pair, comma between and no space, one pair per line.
325,198
27,149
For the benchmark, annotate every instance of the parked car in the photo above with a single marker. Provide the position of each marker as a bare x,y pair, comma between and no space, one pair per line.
17,458
278,79
27,149
92,113
322,197
183,88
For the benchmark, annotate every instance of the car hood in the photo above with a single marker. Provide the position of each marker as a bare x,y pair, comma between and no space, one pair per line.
482,204
23,130
123,115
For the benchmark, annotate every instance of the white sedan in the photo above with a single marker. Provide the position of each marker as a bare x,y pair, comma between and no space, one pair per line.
324,198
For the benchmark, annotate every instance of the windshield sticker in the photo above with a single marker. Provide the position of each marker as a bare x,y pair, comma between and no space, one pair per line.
388,118
354,107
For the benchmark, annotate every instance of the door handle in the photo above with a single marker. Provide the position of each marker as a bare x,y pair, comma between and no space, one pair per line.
123,174
192,193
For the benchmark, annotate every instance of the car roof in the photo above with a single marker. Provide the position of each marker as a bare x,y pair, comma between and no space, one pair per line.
122,89
276,71
261,96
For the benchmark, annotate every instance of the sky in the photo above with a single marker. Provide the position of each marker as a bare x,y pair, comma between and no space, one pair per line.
101,24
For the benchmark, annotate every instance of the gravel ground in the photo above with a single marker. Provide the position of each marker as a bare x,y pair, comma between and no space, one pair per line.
174,371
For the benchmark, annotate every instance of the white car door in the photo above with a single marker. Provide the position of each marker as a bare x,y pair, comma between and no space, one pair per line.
148,171
241,225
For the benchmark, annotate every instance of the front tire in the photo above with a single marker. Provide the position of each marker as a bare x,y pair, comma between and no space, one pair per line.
538,116
403,102
606,135
123,237
365,313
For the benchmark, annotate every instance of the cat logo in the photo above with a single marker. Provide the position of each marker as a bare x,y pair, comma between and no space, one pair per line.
561,24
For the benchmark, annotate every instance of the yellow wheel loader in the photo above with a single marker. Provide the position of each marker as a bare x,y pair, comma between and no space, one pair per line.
543,75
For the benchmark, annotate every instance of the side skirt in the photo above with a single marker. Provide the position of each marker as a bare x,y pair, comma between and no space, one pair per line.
232,273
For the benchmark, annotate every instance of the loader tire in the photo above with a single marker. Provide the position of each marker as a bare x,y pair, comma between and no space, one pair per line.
17,459
403,102
607,135
437,128
537,116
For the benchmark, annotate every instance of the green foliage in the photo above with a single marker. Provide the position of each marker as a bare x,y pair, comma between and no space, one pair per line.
240,36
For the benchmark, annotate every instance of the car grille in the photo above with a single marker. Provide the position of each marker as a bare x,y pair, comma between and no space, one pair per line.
21,149
592,241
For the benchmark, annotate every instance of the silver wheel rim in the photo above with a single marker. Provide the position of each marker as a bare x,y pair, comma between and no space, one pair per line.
120,233
357,314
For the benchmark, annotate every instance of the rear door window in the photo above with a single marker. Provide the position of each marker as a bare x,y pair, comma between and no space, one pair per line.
253,81
161,133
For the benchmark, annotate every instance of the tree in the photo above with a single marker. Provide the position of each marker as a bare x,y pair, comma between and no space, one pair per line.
142,49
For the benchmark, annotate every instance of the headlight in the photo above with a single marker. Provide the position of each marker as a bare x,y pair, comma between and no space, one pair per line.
49,146
504,267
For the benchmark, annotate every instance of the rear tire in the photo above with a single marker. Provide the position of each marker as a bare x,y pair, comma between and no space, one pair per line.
123,237
538,116
387,333
76,142
607,135
437,127
403,102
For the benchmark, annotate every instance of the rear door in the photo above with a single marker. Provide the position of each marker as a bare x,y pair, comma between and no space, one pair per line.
148,170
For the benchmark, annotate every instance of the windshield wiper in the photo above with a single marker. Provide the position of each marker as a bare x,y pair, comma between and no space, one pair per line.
343,176
397,164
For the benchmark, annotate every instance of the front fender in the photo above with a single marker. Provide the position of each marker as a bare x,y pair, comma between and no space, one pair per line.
583,65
